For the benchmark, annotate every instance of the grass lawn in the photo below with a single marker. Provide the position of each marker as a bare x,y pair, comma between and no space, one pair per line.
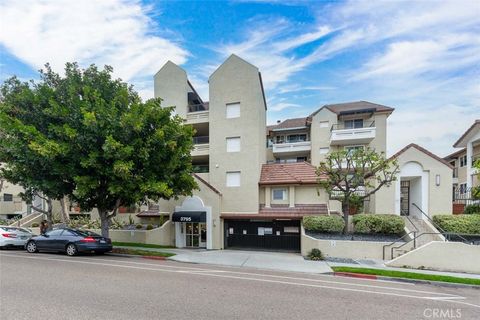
139,245
142,252
408,275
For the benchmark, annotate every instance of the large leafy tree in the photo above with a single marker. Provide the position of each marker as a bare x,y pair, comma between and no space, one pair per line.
352,177
115,150
32,144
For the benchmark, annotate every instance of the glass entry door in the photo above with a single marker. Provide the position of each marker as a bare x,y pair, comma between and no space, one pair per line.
192,235
405,198
196,235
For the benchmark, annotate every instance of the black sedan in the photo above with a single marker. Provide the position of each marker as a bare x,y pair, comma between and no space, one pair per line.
70,241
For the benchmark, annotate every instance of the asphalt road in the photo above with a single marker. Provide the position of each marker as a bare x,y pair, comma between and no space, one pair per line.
54,286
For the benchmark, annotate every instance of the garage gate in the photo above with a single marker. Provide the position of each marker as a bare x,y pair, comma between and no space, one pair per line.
267,235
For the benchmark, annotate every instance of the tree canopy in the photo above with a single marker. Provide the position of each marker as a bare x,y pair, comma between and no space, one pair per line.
352,177
90,137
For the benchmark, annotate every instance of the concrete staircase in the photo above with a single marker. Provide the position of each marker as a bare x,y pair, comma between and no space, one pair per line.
28,220
423,227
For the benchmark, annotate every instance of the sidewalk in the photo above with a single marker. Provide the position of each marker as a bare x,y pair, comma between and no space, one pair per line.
278,261
281,261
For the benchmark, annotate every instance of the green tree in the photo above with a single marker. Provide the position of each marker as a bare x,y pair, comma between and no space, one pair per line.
115,149
476,190
31,146
352,177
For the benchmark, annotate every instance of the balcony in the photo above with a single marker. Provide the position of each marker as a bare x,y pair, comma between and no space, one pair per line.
292,147
201,146
197,113
341,135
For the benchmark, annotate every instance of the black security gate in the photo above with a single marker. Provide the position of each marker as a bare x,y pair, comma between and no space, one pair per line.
268,235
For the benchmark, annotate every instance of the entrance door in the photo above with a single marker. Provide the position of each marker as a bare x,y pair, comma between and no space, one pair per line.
195,235
405,198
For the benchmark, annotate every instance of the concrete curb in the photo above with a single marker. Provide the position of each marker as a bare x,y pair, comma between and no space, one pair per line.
407,280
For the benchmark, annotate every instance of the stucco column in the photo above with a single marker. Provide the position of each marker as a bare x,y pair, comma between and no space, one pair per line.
469,164
291,196
267,197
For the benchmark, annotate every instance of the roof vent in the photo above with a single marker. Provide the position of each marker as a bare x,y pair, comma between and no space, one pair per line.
279,121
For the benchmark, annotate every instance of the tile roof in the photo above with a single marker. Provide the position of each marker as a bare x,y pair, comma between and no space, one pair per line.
455,154
288,173
428,153
466,133
355,106
281,211
290,123
207,184
150,213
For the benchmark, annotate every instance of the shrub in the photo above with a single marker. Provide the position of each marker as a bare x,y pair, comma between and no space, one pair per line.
139,226
472,209
378,224
329,224
467,224
149,227
34,225
315,254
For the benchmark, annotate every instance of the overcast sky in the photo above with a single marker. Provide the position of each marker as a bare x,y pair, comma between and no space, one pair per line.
422,58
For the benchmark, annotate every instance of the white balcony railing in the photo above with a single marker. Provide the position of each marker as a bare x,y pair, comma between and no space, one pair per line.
197,117
292,147
357,135
201,149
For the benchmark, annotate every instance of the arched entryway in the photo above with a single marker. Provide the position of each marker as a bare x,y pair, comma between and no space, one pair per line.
412,190
193,224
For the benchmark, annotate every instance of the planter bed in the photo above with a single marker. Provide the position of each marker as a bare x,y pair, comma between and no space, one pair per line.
355,237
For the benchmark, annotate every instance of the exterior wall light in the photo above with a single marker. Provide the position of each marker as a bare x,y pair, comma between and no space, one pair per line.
437,180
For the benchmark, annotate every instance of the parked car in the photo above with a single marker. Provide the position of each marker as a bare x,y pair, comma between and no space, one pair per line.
70,241
13,236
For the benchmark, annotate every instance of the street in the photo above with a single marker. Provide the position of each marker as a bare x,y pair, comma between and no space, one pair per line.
54,286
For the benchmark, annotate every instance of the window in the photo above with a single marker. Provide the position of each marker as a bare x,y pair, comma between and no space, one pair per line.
55,233
233,110
323,124
233,144
7,197
279,139
279,194
296,138
463,188
233,179
67,233
351,149
324,150
353,124
463,161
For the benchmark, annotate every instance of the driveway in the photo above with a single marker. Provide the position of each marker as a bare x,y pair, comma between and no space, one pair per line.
279,261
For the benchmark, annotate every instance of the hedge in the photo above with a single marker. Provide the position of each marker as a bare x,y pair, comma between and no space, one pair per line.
328,224
378,224
472,209
466,224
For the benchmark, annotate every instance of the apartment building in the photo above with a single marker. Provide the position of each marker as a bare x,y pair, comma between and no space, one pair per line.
257,181
465,176
11,204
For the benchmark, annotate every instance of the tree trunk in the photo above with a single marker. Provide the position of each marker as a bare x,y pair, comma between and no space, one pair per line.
104,222
65,215
346,212
49,214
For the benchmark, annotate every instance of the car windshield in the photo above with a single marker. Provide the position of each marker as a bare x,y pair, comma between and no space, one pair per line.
87,233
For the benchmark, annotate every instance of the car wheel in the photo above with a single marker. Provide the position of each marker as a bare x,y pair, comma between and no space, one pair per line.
32,247
71,249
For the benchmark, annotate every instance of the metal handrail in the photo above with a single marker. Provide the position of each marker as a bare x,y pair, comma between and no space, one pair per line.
366,124
421,234
438,227
401,238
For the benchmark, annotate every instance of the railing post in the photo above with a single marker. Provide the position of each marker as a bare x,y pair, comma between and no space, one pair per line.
414,240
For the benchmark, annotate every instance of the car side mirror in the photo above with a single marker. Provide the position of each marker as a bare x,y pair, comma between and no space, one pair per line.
45,235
